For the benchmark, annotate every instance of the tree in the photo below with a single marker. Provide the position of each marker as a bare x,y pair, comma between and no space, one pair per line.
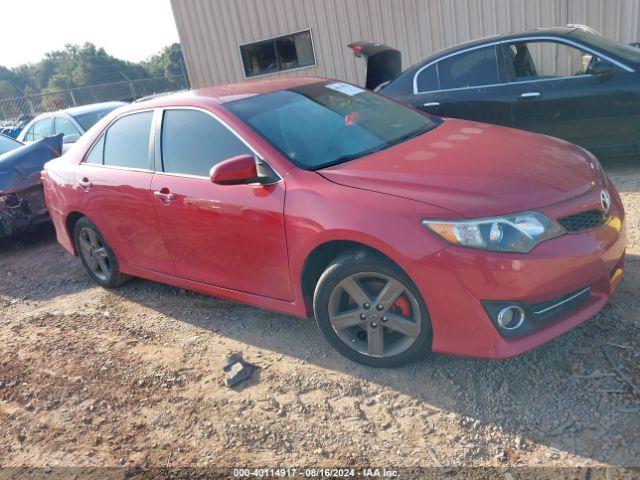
9,83
169,62
7,90
83,65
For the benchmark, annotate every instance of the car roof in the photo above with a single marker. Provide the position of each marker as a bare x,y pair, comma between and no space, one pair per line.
221,94
73,111
93,107
538,32
572,33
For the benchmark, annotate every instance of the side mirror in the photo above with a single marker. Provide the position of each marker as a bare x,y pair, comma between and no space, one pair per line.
70,138
601,68
235,170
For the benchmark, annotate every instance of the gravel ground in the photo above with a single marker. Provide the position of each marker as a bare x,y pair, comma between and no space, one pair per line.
90,377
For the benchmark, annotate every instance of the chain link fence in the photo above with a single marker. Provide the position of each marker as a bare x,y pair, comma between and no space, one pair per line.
29,106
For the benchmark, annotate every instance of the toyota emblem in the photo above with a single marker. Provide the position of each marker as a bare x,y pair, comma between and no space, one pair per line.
605,201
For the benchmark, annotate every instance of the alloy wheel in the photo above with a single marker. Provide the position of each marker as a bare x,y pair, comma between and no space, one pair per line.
374,314
94,254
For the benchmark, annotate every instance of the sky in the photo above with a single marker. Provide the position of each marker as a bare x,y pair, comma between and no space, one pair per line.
128,29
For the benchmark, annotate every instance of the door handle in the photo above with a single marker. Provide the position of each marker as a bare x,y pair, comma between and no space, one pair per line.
530,95
164,195
85,183
431,104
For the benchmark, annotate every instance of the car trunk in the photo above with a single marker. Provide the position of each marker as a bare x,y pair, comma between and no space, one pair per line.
384,63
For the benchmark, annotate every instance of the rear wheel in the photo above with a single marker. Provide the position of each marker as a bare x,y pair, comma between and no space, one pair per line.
96,255
371,312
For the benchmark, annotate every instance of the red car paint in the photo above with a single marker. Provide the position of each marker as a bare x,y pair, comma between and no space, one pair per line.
262,235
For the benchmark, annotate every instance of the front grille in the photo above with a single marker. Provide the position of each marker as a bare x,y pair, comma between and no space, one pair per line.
583,221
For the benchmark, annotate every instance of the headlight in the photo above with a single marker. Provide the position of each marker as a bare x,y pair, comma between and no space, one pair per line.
519,232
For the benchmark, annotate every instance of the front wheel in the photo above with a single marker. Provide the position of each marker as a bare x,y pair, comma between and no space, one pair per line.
96,255
371,312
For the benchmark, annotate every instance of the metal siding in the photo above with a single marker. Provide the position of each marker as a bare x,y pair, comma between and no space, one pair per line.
211,30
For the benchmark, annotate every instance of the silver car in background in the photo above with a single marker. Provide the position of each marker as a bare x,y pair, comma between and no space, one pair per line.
71,122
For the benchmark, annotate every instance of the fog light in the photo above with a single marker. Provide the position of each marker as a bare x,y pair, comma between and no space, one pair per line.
510,317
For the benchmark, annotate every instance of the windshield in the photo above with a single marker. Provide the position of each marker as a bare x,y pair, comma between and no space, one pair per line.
87,120
7,144
621,50
327,123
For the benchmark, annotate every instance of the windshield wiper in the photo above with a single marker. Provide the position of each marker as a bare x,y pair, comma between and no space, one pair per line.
352,156
382,146
411,135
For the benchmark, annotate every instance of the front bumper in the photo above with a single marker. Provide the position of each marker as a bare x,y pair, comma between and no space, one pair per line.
456,281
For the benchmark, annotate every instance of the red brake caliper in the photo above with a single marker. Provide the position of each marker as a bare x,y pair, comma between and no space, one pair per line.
402,304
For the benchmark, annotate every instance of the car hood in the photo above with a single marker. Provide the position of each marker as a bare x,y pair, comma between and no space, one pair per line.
475,169
20,168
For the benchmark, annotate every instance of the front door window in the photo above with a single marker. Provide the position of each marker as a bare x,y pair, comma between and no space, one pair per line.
547,60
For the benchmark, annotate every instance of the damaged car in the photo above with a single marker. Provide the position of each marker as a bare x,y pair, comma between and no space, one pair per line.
21,196
569,83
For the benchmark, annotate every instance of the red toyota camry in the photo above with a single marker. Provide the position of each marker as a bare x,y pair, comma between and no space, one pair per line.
398,231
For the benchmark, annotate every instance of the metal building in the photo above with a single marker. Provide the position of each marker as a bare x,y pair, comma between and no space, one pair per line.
226,41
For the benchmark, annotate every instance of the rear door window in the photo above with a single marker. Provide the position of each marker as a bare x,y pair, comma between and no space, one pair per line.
474,68
428,79
126,142
194,141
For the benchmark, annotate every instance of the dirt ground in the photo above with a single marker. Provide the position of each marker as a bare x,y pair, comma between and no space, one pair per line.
91,377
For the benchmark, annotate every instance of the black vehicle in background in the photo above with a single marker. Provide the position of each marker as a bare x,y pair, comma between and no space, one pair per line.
569,83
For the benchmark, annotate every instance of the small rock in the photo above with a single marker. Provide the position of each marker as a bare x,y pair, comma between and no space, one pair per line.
236,368
230,360
239,372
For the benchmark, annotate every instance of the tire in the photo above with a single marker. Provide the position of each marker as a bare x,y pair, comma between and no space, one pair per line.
85,231
370,270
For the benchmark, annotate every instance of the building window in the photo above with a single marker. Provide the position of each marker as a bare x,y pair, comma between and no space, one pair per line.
278,54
